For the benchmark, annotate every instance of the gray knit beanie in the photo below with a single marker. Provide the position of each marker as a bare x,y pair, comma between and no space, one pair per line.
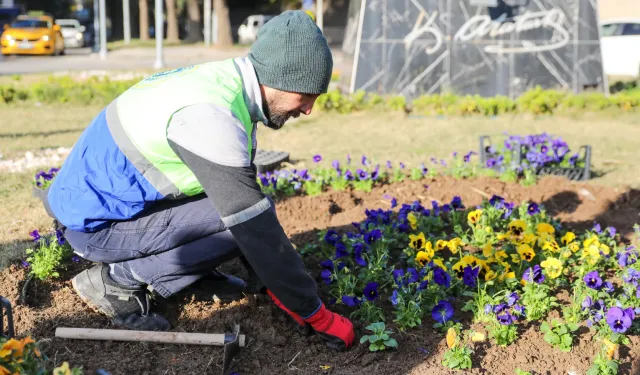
291,54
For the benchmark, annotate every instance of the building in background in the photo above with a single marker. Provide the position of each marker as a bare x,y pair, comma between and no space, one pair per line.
612,9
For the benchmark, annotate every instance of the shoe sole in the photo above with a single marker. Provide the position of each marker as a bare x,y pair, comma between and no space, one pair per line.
86,299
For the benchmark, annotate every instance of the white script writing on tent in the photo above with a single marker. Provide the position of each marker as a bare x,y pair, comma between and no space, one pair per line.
482,27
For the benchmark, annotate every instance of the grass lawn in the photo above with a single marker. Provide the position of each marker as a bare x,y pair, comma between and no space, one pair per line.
382,136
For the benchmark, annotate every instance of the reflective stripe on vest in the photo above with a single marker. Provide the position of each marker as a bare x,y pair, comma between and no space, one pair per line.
139,118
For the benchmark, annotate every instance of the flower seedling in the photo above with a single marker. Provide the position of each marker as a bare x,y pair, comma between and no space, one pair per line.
604,364
380,339
458,356
535,297
51,253
559,335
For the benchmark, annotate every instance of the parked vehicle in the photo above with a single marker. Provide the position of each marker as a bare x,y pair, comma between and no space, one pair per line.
248,31
32,35
72,31
620,44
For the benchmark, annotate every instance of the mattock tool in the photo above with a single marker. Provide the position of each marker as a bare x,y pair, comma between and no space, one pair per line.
232,342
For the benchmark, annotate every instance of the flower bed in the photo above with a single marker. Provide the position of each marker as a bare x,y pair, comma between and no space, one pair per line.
535,154
23,357
504,264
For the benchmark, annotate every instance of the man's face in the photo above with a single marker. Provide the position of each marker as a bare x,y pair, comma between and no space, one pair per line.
279,106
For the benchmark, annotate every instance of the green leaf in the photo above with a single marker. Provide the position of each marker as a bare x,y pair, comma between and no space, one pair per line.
384,336
552,339
562,330
373,338
573,327
391,343
373,348
454,362
364,339
544,327
567,340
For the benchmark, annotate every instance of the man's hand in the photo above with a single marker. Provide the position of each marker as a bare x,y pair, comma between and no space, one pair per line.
303,327
335,329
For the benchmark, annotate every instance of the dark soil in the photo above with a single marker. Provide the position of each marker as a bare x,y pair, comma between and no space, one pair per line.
274,347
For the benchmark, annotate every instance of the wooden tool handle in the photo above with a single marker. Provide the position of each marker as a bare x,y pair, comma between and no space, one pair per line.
216,339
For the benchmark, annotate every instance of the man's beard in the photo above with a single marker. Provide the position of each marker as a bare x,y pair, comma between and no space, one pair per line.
276,117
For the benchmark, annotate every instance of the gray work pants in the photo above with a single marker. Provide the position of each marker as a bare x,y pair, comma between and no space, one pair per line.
169,247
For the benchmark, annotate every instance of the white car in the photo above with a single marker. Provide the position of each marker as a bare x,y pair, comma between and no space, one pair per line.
248,31
620,44
72,32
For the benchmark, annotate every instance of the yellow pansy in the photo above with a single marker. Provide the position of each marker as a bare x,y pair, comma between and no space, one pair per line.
604,248
568,238
544,237
470,260
516,227
4,371
593,240
591,255
413,221
452,336
508,275
438,262
487,250
62,370
13,345
505,266
474,216
526,252
423,258
454,245
553,267
551,246
490,275
417,241
565,254
5,352
574,246
441,244
502,236
611,348
545,228
458,269
478,337
529,238
515,258
501,254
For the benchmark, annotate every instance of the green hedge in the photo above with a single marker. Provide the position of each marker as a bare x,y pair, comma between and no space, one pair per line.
536,101
66,90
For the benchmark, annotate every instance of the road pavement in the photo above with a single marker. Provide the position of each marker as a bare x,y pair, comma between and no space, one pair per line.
83,59
124,59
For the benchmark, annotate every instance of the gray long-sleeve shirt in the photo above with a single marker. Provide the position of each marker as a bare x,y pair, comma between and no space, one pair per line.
213,144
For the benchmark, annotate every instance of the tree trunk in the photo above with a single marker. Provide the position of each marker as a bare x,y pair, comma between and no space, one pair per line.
144,19
195,26
224,25
172,22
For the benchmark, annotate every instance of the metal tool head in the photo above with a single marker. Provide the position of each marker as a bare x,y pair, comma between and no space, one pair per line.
231,347
6,311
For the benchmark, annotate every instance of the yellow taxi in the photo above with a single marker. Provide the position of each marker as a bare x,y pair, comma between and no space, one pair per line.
31,35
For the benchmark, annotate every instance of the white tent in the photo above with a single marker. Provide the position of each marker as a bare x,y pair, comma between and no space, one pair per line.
484,47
